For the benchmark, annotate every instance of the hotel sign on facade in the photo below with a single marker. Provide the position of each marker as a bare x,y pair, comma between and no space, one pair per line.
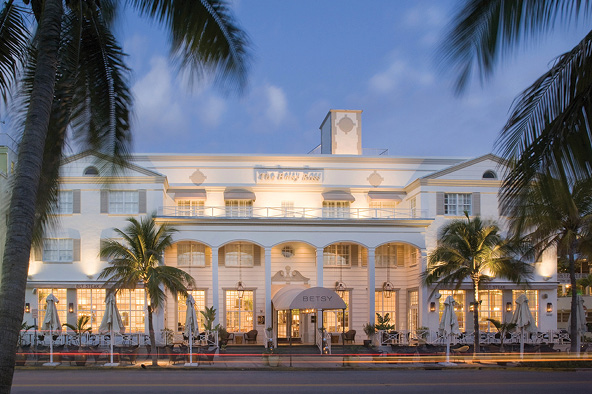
288,176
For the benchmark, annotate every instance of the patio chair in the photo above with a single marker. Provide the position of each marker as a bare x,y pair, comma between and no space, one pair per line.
174,355
251,336
349,336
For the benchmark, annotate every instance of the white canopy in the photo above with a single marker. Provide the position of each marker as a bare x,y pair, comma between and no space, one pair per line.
301,297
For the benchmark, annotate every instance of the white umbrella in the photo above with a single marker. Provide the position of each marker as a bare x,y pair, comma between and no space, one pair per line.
111,322
580,320
523,320
448,324
51,323
191,327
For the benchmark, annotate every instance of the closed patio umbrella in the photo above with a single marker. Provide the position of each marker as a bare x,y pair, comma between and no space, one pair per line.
448,324
580,321
111,322
51,323
191,327
523,320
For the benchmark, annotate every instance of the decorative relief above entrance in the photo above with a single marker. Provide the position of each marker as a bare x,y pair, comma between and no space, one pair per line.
289,276
375,179
198,177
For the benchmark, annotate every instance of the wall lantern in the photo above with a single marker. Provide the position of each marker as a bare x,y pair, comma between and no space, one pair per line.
549,307
27,308
71,307
432,306
388,289
240,290
508,307
340,288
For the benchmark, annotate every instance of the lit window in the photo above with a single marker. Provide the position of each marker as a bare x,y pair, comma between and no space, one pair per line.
191,253
200,305
334,320
455,204
337,255
239,208
491,308
58,250
413,207
61,306
131,308
91,303
336,209
384,305
239,311
383,209
533,301
124,202
65,202
288,209
412,310
459,306
190,207
239,255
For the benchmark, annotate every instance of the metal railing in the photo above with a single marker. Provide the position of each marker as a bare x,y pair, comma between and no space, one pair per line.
323,341
296,213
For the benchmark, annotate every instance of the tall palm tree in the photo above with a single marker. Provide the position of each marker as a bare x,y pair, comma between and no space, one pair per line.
472,250
138,259
75,77
554,212
549,121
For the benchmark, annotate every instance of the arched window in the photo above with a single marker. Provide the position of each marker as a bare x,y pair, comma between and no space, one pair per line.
91,171
489,175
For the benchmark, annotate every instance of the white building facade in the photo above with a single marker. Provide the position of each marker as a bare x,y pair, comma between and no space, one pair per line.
340,219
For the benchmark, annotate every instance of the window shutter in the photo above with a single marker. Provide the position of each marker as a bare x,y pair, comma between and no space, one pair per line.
221,255
104,201
364,257
102,244
476,204
400,255
354,255
38,252
208,257
440,203
142,201
76,249
256,255
76,201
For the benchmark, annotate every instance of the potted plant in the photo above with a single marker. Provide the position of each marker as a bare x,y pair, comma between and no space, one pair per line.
369,330
223,336
21,355
273,357
384,324
79,329
269,338
503,329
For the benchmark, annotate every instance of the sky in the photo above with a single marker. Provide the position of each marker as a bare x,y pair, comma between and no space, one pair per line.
310,56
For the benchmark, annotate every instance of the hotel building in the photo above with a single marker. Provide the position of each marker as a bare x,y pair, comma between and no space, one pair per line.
249,225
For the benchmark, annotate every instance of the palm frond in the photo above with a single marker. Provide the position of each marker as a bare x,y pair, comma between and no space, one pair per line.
14,42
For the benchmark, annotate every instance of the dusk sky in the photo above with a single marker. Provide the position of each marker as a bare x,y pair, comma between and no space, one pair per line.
310,56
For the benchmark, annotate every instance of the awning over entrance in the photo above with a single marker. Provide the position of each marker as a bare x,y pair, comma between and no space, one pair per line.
239,194
199,194
338,195
301,297
385,196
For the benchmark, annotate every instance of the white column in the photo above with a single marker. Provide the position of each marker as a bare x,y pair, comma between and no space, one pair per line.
215,296
320,267
267,287
424,300
371,285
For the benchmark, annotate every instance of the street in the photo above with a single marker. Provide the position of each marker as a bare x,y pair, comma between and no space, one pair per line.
300,381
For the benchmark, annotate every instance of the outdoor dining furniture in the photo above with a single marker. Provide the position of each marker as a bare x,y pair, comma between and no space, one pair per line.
349,336
251,336
206,355
175,355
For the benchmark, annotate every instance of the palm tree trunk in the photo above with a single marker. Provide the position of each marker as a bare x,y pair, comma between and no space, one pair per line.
15,263
573,327
152,337
476,344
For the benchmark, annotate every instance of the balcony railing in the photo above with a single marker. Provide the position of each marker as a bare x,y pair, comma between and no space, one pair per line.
292,213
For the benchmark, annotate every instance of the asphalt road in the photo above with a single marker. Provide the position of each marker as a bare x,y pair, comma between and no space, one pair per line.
286,381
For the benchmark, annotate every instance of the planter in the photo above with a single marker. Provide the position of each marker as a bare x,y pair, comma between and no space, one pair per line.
80,359
273,360
367,342
20,359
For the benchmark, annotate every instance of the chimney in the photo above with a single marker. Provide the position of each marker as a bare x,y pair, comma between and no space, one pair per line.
341,133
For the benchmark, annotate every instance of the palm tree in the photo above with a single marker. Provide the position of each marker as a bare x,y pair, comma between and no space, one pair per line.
585,283
474,250
138,259
75,76
555,213
549,122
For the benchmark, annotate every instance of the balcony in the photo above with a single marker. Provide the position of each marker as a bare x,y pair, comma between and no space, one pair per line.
294,213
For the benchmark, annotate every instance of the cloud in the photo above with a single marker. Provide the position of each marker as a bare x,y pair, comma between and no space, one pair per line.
399,73
277,108
211,109
424,17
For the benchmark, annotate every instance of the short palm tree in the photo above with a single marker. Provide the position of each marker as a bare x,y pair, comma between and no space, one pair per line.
502,330
555,213
472,250
80,328
138,259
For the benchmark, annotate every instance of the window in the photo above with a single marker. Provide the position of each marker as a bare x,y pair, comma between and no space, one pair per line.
491,308
58,250
239,255
239,311
191,254
390,256
65,202
288,209
384,305
382,209
190,207
239,208
91,303
337,255
489,175
123,202
455,204
131,307
91,171
200,305
287,251
61,306
412,310
459,306
336,209
334,320
413,207
533,301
